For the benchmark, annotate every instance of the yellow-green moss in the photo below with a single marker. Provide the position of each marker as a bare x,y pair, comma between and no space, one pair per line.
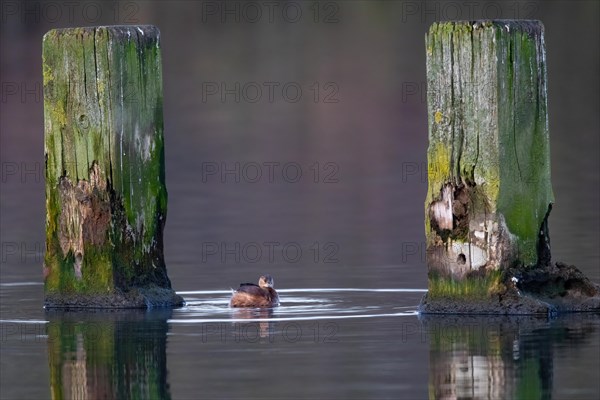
472,287
47,74
438,168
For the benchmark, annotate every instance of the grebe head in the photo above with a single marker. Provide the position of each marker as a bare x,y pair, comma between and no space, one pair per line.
266,281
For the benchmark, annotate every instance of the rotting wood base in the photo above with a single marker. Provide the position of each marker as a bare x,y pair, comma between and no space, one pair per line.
147,297
555,288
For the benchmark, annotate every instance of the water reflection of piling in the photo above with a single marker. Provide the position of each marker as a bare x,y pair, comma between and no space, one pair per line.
108,354
466,359
478,357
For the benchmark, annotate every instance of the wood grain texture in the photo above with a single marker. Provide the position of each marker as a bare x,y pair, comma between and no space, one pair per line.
106,197
489,190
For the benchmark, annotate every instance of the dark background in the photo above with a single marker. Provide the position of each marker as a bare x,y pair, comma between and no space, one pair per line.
368,57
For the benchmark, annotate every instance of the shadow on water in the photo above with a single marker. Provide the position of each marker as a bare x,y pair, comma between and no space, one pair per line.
105,354
482,357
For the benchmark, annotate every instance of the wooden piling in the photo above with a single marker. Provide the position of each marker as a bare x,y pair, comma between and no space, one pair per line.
106,199
489,191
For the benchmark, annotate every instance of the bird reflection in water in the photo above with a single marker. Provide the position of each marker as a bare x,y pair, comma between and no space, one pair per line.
264,326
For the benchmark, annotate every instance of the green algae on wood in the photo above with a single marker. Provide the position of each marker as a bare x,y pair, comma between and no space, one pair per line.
106,198
489,190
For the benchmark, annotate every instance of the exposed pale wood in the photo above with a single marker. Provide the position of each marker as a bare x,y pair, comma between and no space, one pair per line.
106,198
489,191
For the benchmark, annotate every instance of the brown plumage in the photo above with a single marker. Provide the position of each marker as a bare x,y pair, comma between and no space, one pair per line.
251,295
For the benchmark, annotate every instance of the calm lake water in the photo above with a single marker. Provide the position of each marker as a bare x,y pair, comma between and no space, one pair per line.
324,193
321,343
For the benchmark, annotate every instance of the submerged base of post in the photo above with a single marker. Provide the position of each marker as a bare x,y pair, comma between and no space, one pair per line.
555,288
147,297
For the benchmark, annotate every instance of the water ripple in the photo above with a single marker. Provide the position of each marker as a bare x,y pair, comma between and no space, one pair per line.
279,319
300,305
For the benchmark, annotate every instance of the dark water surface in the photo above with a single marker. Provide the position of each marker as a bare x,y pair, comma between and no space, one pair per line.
352,220
321,343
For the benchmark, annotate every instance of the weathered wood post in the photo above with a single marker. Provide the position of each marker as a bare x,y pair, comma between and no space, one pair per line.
489,191
106,200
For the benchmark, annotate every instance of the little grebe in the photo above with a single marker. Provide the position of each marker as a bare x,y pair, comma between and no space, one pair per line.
251,295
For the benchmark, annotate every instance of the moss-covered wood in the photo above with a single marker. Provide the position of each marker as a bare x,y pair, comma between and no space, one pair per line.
106,199
489,191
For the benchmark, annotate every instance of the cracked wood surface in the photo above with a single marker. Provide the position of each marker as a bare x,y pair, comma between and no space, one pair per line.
106,198
489,190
